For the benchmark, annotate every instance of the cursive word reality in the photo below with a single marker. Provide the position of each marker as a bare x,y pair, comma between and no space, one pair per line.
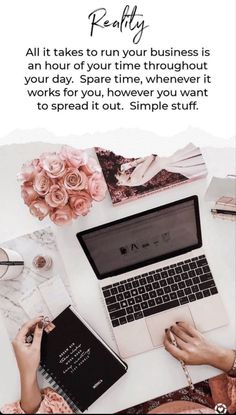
129,20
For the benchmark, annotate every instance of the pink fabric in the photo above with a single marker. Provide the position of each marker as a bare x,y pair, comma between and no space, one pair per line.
52,403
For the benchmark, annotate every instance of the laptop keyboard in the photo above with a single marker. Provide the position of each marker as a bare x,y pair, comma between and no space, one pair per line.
159,290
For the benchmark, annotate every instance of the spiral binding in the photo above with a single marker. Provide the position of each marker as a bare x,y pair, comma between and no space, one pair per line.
57,387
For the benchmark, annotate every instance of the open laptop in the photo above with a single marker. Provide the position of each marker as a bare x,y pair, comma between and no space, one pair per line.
153,272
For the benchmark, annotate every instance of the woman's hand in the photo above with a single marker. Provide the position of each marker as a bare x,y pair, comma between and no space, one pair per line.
28,358
28,355
194,349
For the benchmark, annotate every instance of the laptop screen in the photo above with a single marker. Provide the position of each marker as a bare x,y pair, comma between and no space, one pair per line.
143,239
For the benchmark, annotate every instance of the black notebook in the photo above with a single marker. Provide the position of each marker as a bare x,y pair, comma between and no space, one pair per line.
77,362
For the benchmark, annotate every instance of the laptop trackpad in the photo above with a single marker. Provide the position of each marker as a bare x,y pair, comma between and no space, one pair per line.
159,322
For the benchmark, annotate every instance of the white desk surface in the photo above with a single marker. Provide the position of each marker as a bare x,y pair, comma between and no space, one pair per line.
154,373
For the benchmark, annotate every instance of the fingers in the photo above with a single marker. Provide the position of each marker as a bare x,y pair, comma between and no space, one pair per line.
181,333
26,328
189,329
38,333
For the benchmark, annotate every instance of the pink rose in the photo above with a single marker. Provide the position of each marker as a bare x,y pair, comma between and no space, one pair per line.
42,183
62,216
97,187
54,166
57,196
28,193
39,209
29,170
81,203
75,180
91,167
73,156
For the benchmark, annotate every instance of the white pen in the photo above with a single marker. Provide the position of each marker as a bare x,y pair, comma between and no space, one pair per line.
185,369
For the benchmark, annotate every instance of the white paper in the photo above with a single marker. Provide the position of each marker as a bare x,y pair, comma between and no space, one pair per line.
33,304
220,187
55,295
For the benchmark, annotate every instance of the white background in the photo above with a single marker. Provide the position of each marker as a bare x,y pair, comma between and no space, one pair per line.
56,23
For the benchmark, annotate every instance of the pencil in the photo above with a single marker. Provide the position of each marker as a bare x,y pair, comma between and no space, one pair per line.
185,369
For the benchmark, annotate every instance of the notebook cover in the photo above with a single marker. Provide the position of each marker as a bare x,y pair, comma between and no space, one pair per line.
80,363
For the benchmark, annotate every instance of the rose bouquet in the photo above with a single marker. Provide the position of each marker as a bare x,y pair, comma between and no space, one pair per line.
62,185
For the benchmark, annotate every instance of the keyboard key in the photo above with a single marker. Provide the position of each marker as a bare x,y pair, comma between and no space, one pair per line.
191,273
128,286
152,272
202,262
164,274
123,304
115,323
206,269
121,289
199,295
118,314
116,284
145,297
113,307
129,310
107,293
177,278
173,296
156,285
131,301
170,280
160,292
145,275
166,298
135,284
138,315
178,270
196,280
195,289
199,271
141,290
110,300
127,294
150,279
161,307
152,294
214,290
137,307
185,267
181,285
206,293
192,297
171,272
163,283
157,277
134,292
149,287
184,276
114,291
107,287
151,303
180,293
138,299
130,318
174,287
143,281
159,300
167,290
193,265
166,267
206,277
183,300
122,320
120,297
207,284
144,305
187,291
189,283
